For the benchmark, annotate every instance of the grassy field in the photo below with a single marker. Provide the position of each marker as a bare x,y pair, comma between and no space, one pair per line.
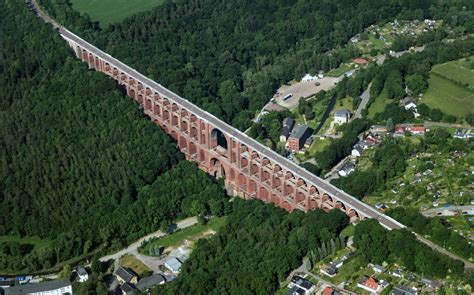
35,241
134,264
109,11
192,233
378,105
448,97
459,70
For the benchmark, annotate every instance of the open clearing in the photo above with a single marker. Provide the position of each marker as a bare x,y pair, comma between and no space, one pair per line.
459,70
448,97
110,11
190,234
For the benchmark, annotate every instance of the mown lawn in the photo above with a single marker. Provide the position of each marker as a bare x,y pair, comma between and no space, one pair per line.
378,105
134,264
110,11
448,97
459,70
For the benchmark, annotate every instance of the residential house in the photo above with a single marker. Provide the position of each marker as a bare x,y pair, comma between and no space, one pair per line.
378,129
298,137
151,281
360,61
397,273
295,291
409,104
301,283
342,116
357,151
330,291
429,283
125,275
366,144
346,169
54,287
402,290
173,264
127,289
82,275
378,268
330,270
308,142
370,284
288,124
417,130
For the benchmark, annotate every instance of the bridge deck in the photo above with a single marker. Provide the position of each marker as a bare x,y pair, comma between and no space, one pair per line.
232,132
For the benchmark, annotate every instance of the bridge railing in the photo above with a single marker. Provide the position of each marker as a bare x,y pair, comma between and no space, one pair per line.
224,127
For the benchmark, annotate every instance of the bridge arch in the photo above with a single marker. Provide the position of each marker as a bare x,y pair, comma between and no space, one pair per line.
217,169
218,139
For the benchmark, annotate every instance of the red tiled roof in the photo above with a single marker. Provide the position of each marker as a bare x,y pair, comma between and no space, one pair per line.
360,61
371,283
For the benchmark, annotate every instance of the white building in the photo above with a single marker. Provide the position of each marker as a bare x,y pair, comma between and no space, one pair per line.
82,275
309,78
357,151
54,287
342,116
173,264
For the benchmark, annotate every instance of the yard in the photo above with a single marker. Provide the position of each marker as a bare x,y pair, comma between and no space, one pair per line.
110,11
134,264
190,234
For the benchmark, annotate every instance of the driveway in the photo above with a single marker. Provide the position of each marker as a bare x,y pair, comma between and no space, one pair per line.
150,261
365,96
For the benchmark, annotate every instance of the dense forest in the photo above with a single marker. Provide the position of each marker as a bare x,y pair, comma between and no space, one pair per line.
256,249
230,57
80,166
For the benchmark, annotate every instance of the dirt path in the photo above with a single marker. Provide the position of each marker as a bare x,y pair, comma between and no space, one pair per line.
132,249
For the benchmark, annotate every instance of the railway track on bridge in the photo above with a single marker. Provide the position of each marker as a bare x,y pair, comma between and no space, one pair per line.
154,96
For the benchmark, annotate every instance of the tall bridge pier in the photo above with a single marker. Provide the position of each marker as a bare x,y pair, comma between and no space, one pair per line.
250,169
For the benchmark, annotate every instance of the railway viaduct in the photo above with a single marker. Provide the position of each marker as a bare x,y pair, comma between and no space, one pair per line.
250,169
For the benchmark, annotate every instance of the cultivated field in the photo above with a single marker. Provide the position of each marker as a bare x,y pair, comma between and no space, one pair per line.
109,11
449,97
459,70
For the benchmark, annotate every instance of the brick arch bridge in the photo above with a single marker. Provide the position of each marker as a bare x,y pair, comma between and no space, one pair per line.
250,169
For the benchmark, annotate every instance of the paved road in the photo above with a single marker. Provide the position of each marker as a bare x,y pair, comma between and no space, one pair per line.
149,261
467,263
448,211
365,96
447,125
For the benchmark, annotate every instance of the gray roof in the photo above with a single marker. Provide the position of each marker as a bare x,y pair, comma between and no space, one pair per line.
299,131
342,113
402,290
173,264
82,271
288,122
150,281
36,288
124,274
127,288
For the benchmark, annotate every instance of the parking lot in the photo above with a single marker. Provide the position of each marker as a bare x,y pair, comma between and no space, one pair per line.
302,89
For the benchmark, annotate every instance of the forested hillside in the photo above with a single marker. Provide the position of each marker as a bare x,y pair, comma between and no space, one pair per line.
80,166
230,57
256,249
